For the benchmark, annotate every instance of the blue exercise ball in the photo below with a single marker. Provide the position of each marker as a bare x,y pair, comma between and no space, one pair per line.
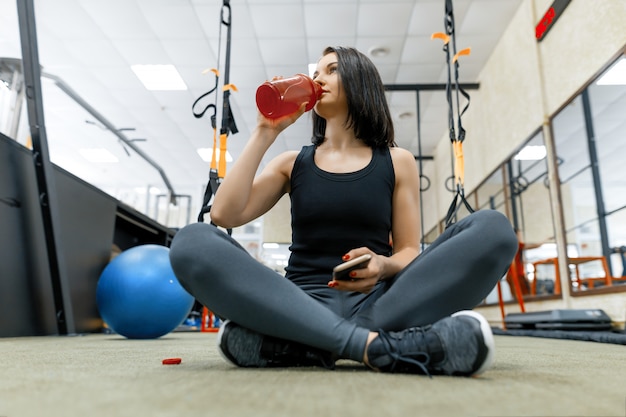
139,296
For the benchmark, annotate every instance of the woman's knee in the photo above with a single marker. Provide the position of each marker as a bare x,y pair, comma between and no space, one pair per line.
499,229
186,239
187,249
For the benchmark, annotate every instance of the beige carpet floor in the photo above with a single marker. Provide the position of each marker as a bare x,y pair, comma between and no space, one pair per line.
102,375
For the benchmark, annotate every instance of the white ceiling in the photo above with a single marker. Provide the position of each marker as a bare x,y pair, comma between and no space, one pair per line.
91,44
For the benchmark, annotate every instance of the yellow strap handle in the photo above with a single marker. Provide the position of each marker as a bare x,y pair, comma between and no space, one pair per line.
459,163
221,171
214,156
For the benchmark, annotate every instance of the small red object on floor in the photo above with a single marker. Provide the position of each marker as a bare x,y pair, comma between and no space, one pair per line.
172,361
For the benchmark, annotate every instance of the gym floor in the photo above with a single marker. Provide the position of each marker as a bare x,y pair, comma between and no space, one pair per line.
107,375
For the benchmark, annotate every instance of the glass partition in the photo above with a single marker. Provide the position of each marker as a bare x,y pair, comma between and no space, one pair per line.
13,121
80,138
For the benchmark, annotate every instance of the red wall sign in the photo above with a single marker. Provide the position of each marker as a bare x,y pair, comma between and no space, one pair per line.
548,19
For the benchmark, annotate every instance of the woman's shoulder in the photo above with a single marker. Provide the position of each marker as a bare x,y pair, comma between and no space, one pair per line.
404,165
283,163
288,155
287,158
401,155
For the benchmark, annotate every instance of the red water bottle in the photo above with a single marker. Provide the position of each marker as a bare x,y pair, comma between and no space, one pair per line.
285,96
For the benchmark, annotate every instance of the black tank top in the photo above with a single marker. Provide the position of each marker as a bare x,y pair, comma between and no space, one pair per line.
333,213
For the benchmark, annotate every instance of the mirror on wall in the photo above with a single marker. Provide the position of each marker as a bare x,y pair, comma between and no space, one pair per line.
519,189
589,138
607,101
531,216
492,194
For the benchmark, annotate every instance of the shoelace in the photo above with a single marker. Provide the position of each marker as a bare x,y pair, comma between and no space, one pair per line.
417,358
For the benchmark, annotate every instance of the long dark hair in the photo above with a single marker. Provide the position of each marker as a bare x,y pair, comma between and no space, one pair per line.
368,112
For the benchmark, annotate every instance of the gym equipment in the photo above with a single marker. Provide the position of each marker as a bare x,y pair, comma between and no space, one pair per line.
458,136
452,59
217,173
586,319
139,296
209,321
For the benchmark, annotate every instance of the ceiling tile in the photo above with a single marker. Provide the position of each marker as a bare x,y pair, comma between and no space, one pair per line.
315,46
170,20
119,78
419,74
394,44
94,53
384,19
189,52
480,16
142,52
245,53
422,50
210,17
65,19
269,21
331,20
118,19
422,23
288,51
53,55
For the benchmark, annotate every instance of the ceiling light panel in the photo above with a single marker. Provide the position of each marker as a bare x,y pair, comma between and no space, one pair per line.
159,77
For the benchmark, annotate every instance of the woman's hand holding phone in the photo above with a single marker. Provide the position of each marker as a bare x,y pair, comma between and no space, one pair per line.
342,271
358,274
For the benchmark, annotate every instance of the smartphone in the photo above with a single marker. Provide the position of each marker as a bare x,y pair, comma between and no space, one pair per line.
341,271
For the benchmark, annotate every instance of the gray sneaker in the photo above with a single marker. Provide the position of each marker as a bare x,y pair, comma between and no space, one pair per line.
460,345
249,349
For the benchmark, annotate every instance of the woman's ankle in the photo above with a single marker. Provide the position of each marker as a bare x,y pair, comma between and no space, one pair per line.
370,338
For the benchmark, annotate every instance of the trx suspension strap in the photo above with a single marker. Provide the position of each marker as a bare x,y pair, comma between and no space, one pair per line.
457,141
217,172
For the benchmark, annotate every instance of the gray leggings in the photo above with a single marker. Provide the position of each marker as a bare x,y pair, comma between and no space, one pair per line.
456,272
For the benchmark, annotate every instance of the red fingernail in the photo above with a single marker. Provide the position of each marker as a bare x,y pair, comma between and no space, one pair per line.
332,284
353,274
345,257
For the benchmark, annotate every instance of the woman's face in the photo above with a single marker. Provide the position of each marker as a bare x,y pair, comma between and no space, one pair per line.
333,99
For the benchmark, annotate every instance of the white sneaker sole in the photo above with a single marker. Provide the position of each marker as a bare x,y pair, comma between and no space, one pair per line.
487,337
220,334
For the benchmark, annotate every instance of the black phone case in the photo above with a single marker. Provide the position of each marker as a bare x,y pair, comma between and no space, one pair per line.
341,271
